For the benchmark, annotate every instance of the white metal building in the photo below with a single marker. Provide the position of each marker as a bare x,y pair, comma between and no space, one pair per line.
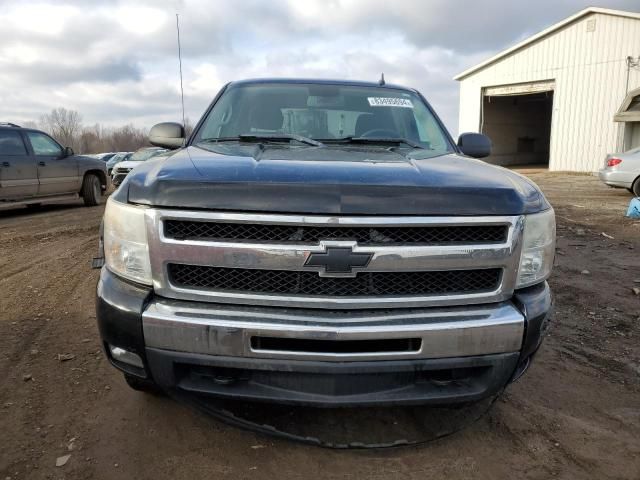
564,97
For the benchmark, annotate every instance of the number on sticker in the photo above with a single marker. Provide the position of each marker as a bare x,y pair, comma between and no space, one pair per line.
390,102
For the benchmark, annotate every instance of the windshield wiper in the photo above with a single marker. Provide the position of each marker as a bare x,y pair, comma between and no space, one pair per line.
374,140
256,137
219,140
280,136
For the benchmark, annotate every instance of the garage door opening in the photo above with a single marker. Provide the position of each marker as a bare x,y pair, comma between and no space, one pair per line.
629,115
519,127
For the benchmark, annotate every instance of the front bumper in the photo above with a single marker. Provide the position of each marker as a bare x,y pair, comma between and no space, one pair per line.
319,357
118,178
616,178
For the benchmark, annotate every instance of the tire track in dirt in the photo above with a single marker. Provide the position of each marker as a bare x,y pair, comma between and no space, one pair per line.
39,323
32,324
53,236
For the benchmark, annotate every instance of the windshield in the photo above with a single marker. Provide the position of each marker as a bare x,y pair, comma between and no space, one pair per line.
325,113
146,154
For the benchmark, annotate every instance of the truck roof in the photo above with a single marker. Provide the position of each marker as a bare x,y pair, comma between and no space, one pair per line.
319,81
13,126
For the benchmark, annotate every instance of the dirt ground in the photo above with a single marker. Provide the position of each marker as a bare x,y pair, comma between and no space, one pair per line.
575,414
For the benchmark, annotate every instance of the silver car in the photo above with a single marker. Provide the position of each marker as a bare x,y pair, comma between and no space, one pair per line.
622,170
121,170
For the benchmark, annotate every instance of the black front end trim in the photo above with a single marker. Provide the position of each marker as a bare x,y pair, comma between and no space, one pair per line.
400,382
119,307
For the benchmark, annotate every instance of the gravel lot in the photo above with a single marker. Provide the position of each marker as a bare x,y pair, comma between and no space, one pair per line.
576,413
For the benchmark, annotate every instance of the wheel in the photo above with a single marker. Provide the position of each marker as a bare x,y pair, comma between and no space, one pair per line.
635,188
142,385
91,190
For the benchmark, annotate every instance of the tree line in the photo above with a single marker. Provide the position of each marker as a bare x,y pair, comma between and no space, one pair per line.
66,126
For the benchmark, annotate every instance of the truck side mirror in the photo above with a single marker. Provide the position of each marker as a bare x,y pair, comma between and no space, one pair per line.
68,152
474,145
168,135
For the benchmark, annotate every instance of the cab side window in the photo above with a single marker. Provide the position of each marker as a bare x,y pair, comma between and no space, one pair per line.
11,143
43,145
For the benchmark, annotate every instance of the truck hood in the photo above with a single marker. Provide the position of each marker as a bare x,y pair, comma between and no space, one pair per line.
345,180
86,162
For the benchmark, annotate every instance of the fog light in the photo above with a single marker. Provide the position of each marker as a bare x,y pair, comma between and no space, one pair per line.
125,356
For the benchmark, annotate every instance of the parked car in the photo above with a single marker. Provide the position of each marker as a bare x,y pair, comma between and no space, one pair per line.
622,170
141,155
103,156
35,168
324,243
117,158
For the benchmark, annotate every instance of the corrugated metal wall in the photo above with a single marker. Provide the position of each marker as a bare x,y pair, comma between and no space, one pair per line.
590,72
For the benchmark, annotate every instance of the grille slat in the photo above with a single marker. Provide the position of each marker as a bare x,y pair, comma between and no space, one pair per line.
312,235
311,284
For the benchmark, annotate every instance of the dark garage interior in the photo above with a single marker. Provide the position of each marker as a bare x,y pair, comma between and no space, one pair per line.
519,127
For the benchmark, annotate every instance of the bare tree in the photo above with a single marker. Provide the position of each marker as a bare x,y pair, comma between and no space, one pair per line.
66,127
91,139
63,124
127,138
188,127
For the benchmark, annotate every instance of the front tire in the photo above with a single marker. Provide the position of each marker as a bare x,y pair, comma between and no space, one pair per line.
142,385
635,188
91,190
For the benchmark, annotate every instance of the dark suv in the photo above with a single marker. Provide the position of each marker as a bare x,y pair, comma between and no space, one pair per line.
34,168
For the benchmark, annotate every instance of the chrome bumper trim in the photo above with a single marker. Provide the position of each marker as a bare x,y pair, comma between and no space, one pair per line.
227,331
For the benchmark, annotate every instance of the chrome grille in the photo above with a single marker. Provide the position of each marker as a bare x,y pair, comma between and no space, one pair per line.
309,283
262,259
308,235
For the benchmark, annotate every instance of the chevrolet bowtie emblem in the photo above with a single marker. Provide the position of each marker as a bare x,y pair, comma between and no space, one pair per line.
338,260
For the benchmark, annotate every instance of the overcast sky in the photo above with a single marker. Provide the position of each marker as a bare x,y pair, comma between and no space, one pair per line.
116,61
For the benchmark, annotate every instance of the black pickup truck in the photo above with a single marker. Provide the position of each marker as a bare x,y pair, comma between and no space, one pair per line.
324,243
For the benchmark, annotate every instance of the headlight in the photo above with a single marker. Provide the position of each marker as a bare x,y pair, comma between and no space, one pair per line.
538,248
126,250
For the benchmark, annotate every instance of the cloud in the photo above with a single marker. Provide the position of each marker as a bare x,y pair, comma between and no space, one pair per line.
60,74
115,61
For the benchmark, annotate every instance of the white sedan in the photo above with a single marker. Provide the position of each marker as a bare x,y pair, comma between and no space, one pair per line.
622,170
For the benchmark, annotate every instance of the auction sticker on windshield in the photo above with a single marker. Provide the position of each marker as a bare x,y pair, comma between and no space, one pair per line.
390,102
